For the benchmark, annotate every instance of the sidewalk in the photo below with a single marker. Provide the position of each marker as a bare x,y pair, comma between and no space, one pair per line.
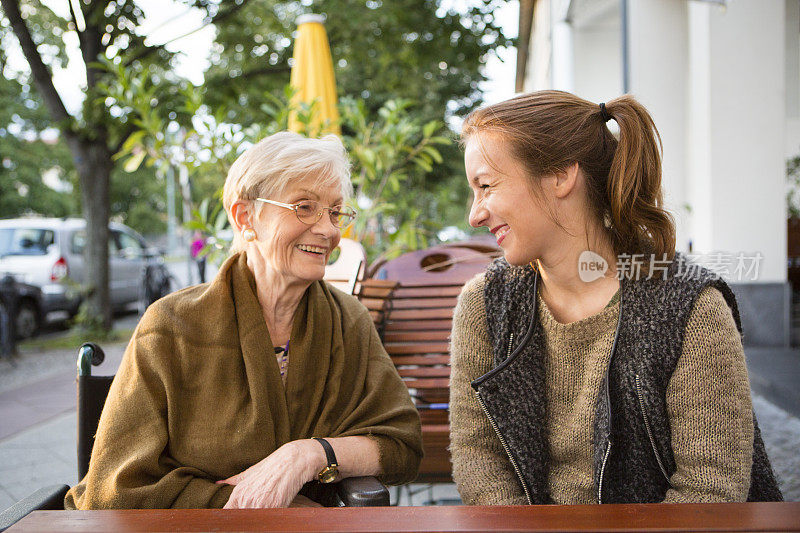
37,419
775,375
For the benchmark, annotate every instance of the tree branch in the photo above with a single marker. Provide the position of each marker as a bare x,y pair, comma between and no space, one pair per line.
40,72
91,41
230,12
249,74
212,20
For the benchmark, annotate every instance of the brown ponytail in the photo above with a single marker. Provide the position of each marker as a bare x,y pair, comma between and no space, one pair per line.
548,131
639,223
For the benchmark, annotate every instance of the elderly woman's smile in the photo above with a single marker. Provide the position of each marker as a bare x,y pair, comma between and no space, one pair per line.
316,250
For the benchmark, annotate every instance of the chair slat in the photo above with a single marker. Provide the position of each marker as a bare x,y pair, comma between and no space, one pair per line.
428,291
412,336
426,303
419,325
420,314
424,372
417,348
423,360
427,383
374,304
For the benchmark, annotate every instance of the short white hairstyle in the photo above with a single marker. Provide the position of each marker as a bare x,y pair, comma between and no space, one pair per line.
267,168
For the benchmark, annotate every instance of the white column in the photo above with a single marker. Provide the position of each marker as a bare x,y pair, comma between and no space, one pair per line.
792,78
737,159
563,65
597,50
658,68
698,136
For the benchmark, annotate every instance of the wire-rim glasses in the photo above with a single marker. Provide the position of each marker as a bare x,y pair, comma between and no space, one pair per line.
309,212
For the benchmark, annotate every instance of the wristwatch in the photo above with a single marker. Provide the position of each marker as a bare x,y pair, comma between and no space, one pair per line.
329,473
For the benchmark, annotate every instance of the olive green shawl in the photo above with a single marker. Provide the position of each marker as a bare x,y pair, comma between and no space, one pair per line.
199,397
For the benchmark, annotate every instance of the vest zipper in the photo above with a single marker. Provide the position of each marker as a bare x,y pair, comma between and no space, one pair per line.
500,436
505,447
640,395
608,397
603,471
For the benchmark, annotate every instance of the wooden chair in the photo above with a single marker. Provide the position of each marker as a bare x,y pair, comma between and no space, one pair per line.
414,322
348,268
413,312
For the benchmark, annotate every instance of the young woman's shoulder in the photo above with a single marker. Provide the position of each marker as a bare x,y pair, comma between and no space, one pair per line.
712,313
471,298
470,346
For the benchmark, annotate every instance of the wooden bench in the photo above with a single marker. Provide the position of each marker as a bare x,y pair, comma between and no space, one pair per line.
414,322
413,311
349,267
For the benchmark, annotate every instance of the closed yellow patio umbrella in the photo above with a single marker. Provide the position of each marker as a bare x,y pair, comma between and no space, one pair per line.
312,77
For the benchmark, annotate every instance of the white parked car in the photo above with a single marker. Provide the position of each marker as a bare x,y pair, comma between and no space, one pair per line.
48,253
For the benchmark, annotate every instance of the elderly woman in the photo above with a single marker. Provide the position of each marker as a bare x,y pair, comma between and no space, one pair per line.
238,392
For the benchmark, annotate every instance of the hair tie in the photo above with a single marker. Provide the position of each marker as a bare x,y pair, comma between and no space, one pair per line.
604,113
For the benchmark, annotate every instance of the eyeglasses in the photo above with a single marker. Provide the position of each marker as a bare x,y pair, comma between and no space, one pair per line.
309,212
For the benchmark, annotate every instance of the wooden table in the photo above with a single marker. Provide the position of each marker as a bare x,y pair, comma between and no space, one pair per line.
650,517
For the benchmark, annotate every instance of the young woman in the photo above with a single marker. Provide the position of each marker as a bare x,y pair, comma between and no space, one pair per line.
591,365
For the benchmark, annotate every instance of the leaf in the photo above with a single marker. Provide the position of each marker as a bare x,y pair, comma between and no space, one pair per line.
135,161
434,153
422,163
133,140
221,221
195,225
430,128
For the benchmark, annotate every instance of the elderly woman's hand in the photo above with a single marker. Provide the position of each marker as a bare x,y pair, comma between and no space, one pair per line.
275,480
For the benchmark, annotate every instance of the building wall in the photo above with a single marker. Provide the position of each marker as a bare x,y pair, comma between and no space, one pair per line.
658,79
746,145
723,86
792,51
597,56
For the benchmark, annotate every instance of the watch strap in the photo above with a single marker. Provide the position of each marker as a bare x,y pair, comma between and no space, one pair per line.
329,454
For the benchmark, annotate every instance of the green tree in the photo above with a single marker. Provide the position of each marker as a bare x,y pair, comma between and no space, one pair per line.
412,50
25,155
105,29
409,49
392,153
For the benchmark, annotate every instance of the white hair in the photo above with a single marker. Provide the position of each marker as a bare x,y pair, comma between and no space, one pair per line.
266,169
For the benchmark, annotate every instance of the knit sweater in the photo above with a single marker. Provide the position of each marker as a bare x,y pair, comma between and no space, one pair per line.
712,446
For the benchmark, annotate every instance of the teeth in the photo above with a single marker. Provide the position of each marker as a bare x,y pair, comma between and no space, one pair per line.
501,232
312,249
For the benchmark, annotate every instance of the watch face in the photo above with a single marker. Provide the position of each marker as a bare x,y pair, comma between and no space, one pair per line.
328,474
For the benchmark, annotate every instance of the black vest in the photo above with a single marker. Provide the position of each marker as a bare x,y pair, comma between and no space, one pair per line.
633,458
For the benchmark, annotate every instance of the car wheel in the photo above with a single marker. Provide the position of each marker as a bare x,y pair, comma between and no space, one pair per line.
27,320
158,283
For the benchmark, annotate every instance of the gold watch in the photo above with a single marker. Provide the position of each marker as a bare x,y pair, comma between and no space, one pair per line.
329,473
